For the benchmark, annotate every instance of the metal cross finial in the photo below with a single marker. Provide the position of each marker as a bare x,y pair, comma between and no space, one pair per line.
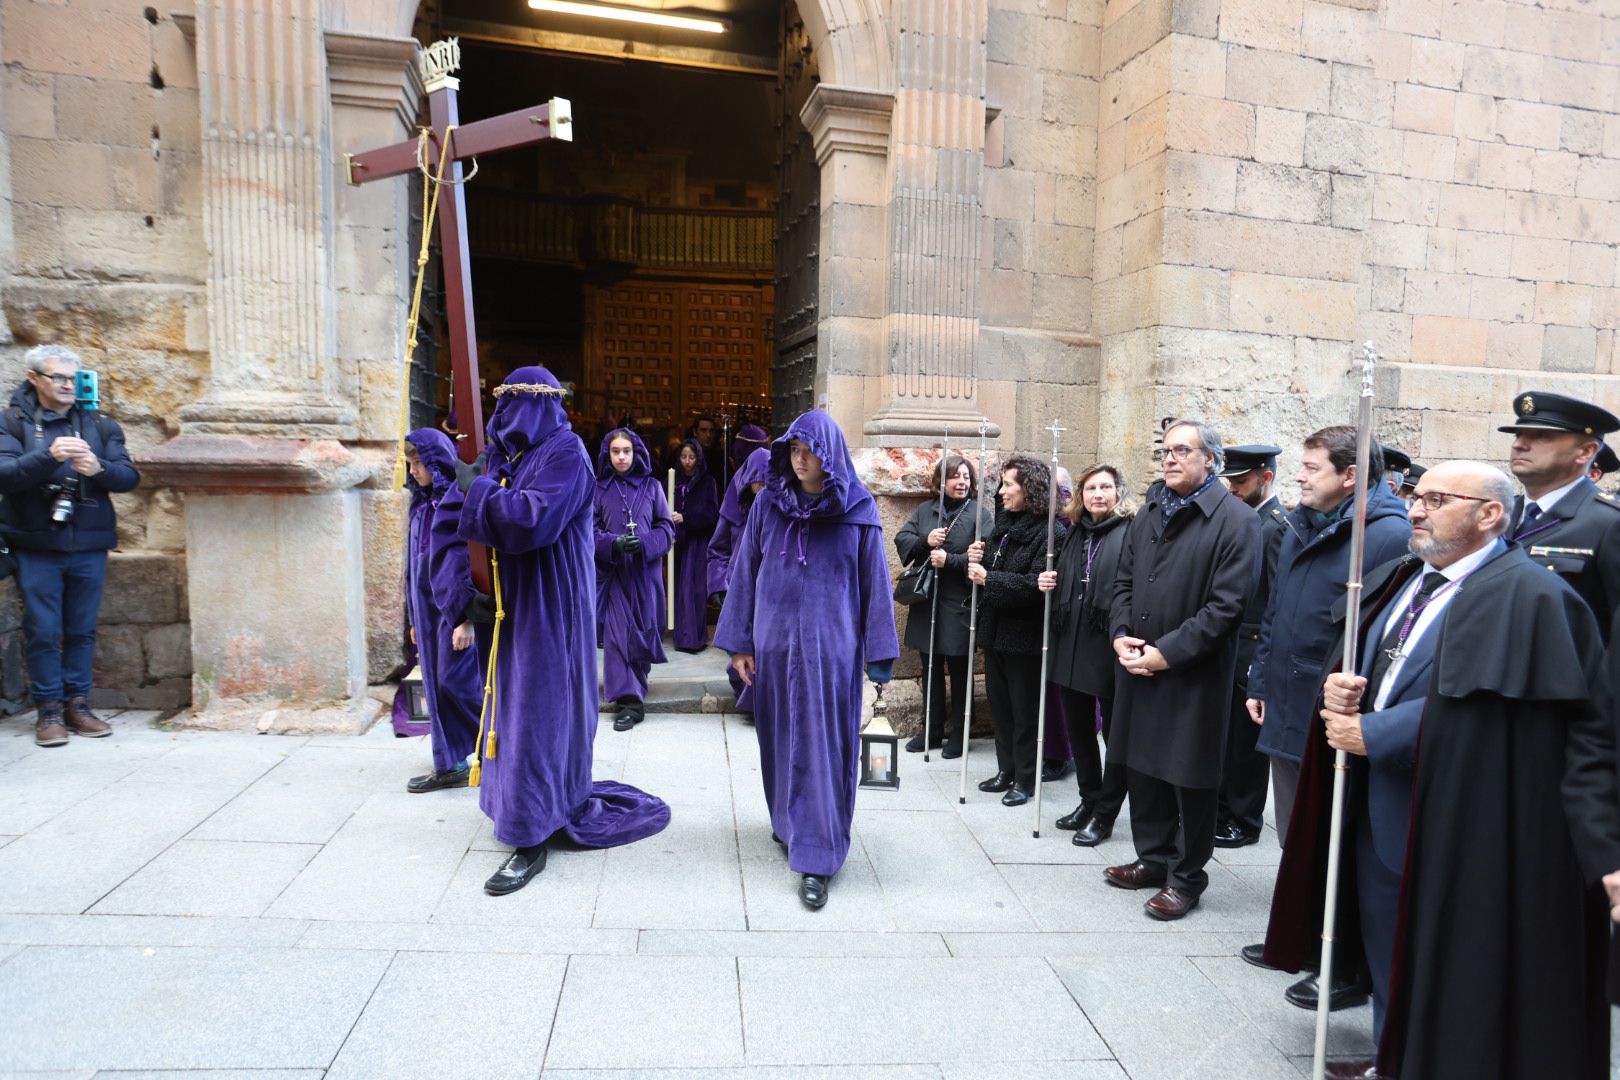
1369,362
1057,431
984,426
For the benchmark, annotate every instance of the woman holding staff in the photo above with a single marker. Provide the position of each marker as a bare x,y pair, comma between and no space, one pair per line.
1083,659
944,541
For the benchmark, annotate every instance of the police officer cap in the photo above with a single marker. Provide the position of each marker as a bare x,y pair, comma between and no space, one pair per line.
1537,410
1410,478
1606,460
1246,459
1395,460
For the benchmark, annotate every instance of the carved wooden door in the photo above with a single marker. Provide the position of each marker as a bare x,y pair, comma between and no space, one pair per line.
798,231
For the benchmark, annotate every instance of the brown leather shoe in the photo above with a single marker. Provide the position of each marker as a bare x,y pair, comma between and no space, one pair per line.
81,721
1136,875
49,730
1169,904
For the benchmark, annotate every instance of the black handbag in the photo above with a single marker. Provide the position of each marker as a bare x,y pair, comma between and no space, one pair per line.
917,584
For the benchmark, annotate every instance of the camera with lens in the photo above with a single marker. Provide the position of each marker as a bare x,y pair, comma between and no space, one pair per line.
64,500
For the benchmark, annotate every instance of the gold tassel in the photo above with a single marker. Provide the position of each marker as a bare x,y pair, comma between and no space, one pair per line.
489,744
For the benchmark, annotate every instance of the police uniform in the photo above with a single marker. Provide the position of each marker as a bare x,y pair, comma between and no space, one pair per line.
1605,463
1579,537
1397,464
1409,482
1242,795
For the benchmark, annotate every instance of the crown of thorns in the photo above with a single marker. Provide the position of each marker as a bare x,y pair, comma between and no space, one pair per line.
528,388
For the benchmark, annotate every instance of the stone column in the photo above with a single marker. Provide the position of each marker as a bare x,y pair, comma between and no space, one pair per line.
931,316
275,523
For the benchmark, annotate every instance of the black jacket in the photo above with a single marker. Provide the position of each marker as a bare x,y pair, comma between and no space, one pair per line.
27,470
1579,538
1012,605
951,633
1083,656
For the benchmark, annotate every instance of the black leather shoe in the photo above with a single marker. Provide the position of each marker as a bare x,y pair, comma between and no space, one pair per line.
1344,996
1256,954
517,871
999,782
1016,796
1053,771
1233,835
914,745
779,840
1076,817
435,781
1093,832
951,751
631,713
813,891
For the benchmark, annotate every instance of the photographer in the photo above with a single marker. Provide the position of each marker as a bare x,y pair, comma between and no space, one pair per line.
60,459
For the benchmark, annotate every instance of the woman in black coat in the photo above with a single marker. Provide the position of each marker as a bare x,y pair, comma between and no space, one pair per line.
944,542
1011,609
1082,660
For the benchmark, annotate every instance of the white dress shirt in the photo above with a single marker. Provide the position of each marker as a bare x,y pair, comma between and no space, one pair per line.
1427,617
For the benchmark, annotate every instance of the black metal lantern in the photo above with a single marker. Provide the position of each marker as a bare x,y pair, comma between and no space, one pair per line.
418,696
880,748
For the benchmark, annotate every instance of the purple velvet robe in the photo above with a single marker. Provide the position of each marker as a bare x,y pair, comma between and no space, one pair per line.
438,587
811,601
534,508
697,500
733,515
630,585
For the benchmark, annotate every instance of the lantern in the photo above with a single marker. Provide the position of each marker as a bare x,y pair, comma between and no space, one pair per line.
879,748
417,696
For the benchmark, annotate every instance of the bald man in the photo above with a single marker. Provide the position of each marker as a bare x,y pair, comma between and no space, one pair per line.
1488,656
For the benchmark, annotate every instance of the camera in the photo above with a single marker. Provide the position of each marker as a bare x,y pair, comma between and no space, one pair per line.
65,500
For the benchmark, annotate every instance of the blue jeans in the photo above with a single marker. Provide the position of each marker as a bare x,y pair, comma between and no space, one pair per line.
61,594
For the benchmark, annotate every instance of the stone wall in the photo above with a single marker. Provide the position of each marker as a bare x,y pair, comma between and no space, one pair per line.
101,250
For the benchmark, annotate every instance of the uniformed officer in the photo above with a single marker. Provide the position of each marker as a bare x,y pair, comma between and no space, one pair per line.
1563,521
1241,802
1397,463
1408,490
1605,463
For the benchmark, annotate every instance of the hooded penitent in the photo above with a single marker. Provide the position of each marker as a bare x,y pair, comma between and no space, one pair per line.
629,584
810,600
438,588
533,507
733,515
697,500
749,437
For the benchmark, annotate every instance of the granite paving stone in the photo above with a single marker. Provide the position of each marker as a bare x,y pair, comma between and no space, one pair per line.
773,1072
95,1007
788,943
688,1013
454,938
150,931
410,1029
935,877
564,896
209,877
686,877
1258,993
772,890
1079,898
895,1011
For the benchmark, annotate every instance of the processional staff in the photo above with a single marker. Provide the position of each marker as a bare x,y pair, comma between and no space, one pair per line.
1347,664
933,615
973,610
1057,431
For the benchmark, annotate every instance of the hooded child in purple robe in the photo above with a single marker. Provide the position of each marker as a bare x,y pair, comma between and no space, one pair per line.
749,437
746,484
810,607
697,508
438,596
633,534
533,507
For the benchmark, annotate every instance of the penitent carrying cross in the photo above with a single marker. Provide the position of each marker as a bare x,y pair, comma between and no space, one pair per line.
437,153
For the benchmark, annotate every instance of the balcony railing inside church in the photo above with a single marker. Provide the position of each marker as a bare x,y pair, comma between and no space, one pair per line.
513,225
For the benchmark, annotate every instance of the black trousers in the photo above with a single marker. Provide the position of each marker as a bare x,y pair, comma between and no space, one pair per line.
1173,829
1012,681
941,732
1101,785
1244,771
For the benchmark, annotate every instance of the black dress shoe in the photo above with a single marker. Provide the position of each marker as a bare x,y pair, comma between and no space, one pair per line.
999,782
1053,771
779,840
1093,832
1016,796
1256,954
435,781
631,713
517,871
914,744
1076,817
951,751
1345,995
813,891
1233,835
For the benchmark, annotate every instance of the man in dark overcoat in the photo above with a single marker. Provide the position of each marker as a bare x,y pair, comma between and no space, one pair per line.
1191,559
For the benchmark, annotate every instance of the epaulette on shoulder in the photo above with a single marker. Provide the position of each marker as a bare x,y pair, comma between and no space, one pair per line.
1605,498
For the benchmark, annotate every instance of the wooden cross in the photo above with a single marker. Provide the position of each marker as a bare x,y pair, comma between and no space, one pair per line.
525,127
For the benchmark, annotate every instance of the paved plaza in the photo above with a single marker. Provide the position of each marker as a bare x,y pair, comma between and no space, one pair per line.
178,902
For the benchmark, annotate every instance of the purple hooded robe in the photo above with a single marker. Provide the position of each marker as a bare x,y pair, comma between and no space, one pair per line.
533,506
697,500
438,587
630,585
733,515
749,438
811,601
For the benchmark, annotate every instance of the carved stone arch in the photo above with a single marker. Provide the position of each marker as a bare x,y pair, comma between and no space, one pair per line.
851,39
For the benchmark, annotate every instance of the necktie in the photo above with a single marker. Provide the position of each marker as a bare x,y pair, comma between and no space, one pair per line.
1432,581
1532,513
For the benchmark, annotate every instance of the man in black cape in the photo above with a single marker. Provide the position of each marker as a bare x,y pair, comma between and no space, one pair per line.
1497,939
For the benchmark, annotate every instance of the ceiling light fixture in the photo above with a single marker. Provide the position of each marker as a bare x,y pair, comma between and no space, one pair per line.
631,15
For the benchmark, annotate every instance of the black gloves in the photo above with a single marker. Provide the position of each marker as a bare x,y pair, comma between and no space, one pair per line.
481,609
467,473
628,543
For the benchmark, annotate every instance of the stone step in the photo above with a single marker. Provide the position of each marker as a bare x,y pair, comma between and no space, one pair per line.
688,683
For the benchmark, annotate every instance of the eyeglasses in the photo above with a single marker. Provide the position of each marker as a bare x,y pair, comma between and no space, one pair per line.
1434,500
59,380
1180,453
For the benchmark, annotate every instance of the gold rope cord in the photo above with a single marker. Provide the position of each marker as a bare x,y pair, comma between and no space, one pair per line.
485,746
